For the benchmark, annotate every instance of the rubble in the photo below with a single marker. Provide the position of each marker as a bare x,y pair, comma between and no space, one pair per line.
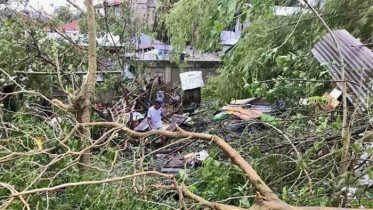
246,109
332,99
134,102
238,113
136,99
174,163
243,113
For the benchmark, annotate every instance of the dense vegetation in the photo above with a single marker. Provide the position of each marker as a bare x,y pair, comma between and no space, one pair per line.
273,51
271,55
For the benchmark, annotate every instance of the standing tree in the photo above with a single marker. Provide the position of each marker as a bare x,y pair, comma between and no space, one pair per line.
64,14
82,100
40,155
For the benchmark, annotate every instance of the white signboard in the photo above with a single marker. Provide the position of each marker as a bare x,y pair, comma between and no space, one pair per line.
191,80
336,93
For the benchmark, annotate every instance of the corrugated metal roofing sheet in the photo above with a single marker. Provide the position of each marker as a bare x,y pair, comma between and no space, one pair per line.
143,41
359,65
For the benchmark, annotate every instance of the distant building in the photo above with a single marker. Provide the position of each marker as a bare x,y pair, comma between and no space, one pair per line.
143,10
154,57
293,7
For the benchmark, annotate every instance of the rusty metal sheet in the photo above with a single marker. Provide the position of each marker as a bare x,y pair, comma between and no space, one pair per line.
243,113
359,65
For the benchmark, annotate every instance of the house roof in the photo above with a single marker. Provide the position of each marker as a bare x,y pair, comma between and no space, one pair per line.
144,41
141,42
288,11
72,26
159,55
82,39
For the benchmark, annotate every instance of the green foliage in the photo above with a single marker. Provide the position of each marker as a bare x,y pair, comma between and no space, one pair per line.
199,22
269,119
261,68
24,46
64,14
274,53
23,171
293,70
27,48
266,52
218,181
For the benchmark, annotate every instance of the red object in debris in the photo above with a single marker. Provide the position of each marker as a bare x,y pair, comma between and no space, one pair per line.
135,123
329,107
99,107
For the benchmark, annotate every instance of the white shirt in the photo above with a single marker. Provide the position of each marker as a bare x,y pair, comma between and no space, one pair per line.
155,117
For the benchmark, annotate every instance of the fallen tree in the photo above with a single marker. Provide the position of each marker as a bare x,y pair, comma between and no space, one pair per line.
265,197
80,105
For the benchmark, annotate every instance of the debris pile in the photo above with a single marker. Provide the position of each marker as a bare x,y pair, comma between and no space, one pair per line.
134,102
238,112
172,163
132,108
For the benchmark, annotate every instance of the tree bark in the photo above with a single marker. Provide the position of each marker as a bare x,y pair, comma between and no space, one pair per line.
82,103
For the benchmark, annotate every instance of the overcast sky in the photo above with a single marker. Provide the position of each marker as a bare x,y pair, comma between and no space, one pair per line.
49,5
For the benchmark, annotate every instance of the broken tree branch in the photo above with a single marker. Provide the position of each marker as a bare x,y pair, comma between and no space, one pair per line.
206,203
266,199
236,158
14,191
50,189
76,6
298,154
180,193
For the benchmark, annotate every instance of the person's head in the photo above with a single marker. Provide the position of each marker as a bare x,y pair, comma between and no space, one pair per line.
157,104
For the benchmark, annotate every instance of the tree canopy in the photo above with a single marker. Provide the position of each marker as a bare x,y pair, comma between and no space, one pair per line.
59,150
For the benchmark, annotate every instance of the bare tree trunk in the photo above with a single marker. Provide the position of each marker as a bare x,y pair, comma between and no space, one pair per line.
86,92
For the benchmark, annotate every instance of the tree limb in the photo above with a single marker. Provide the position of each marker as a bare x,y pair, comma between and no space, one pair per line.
76,6
212,205
50,189
236,158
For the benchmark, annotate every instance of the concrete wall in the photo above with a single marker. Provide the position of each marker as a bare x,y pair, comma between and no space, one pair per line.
155,69
170,72
206,72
